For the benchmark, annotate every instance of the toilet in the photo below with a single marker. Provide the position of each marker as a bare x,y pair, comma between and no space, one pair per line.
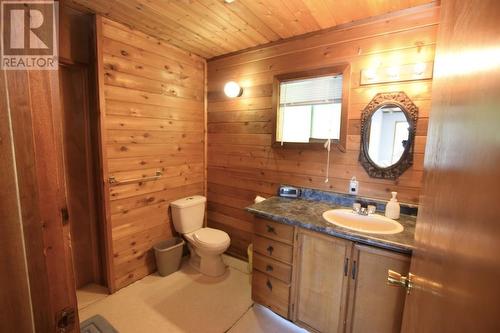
205,244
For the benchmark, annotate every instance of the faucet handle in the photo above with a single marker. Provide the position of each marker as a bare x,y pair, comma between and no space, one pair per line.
356,207
372,209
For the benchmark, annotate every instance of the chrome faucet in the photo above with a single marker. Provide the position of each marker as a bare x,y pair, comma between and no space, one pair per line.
365,211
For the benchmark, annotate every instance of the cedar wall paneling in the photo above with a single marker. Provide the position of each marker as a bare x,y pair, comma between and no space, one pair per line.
154,120
241,161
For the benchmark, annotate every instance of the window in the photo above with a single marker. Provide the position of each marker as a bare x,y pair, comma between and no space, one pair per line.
311,106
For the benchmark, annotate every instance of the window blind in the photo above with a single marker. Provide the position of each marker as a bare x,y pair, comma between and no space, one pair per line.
313,91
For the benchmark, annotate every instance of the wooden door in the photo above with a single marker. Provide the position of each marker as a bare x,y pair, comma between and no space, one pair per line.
321,282
456,262
15,304
375,306
31,100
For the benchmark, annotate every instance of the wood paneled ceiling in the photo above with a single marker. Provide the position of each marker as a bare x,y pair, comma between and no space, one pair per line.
211,28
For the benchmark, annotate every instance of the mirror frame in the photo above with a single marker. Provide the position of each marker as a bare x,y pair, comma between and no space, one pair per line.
410,110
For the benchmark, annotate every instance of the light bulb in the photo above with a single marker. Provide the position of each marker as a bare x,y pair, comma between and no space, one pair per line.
419,68
393,72
232,89
371,74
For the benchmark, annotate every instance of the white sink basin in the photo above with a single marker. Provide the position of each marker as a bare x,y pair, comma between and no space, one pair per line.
373,223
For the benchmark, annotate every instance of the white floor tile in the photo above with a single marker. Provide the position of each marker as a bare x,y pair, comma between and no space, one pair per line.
184,301
90,294
260,319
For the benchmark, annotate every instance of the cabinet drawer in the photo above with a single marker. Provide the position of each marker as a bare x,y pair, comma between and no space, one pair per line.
273,249
274,230
273,267
270,292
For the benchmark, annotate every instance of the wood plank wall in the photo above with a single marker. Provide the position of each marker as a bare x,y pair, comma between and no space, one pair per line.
154,119
241,161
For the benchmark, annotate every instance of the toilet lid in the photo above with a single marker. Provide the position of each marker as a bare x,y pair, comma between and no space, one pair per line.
211,236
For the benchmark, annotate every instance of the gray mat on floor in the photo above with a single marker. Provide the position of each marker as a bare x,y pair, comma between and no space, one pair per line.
96,324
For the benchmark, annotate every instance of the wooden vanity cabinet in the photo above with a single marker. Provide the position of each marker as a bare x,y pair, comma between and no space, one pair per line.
373,305
326,284
321,280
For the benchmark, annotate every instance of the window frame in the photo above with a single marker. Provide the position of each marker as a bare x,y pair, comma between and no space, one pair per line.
344,70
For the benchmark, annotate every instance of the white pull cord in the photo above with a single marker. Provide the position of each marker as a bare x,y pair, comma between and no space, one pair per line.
327,146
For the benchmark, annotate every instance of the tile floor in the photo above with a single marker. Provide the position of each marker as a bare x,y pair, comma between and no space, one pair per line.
259,319
185,301
90,294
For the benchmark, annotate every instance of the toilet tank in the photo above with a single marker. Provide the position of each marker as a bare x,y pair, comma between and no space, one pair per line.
188,213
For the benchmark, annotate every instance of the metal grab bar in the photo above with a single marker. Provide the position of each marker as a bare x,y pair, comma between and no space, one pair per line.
113,182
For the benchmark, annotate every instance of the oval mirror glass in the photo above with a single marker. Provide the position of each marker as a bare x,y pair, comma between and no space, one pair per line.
388,138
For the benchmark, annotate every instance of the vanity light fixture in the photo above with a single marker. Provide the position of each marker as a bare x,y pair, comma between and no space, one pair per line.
228,1
406,72
233,89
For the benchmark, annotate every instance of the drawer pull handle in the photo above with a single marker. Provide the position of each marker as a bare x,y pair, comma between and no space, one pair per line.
354,270
270,249
270,229
269,268
346,266
269,285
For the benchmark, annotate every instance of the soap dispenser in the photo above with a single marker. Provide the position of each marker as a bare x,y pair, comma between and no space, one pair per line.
392,208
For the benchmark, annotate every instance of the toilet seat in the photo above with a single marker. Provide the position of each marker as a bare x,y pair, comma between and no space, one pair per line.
212,238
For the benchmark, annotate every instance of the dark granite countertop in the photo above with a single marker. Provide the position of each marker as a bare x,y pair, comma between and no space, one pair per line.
308,214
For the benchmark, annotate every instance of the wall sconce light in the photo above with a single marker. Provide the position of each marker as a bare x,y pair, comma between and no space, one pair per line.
407,72
232,89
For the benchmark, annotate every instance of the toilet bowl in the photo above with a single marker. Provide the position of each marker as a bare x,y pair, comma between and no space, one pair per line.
206,245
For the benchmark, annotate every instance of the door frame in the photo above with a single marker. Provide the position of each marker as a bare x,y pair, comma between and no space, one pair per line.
102,174
92,126
96,121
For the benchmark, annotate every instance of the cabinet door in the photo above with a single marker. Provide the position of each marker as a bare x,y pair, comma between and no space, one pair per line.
321,282
375,306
